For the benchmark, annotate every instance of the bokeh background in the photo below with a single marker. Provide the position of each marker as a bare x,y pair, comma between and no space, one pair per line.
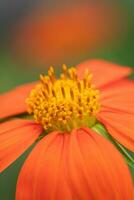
36,34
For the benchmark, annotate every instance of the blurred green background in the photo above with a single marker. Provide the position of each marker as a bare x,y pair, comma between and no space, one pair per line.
34,35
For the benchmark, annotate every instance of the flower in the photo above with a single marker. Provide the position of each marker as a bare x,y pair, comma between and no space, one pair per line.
66,32
71,160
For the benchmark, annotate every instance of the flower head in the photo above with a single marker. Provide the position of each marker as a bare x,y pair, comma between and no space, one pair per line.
72,160
65,103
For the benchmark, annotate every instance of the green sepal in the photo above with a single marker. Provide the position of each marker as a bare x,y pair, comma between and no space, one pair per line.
19,116
99,128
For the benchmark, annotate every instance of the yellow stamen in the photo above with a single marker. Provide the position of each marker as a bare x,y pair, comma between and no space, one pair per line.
64,103
63,91
71,93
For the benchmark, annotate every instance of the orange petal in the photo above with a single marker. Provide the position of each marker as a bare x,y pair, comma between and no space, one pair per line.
103,72
80,165
120,125
13,102
95,168
116,86
118,97
44,171
15,137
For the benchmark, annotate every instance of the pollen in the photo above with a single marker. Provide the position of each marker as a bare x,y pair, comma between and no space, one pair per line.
64,103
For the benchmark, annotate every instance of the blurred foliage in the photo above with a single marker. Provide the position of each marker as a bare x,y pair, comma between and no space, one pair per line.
13,73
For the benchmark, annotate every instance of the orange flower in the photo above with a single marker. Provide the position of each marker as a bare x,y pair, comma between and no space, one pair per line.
71,162
67,32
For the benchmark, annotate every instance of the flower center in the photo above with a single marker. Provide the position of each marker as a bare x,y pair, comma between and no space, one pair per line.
64,103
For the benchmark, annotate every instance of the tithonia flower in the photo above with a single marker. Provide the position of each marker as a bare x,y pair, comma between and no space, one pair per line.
71,159
67,32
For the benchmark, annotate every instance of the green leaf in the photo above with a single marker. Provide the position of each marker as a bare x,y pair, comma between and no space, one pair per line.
99,128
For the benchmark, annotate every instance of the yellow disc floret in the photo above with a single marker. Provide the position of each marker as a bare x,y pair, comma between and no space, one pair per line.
64,103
